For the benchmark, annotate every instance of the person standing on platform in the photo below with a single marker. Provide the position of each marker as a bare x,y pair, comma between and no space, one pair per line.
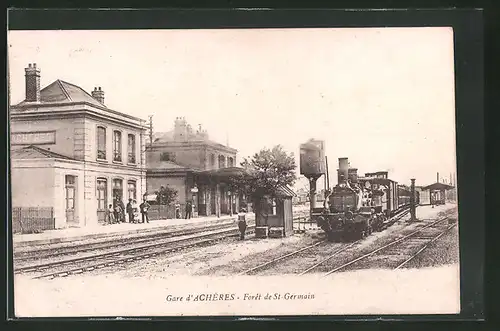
144,206
110,214
130,211
122,212
135,212
189,209
117,210
177,210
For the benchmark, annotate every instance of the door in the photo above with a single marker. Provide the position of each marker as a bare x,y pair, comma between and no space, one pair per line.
102,199
70,199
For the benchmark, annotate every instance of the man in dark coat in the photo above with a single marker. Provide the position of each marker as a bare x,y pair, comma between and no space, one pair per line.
121,211
144,206
189,209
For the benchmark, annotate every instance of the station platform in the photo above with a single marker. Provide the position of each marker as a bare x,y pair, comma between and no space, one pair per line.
433,212
121,229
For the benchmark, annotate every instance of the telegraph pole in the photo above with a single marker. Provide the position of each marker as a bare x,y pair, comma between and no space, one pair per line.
150,130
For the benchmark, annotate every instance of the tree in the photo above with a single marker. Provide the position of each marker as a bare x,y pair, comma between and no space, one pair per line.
265,172
166,195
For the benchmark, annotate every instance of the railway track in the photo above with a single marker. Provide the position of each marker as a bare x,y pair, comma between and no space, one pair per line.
98,261
322,250
414,255
60,251
45,253
393,249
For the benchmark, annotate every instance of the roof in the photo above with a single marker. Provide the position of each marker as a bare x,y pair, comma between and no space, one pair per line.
35,152
224,172
166,165
376,180
160,138
63,92
437,186
163,136
286,191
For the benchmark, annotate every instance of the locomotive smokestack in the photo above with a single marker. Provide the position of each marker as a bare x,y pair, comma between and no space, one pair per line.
343,171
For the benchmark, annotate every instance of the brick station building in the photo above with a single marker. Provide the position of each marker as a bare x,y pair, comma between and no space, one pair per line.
73,154
195,166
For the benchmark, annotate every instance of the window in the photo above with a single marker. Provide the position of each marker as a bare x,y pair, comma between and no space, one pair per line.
117,189
117,146
222,161
102,197
101,143
132,190
70,192
230,162
131,148
167,156
212,160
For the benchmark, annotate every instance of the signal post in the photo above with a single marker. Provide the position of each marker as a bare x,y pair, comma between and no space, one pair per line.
413,207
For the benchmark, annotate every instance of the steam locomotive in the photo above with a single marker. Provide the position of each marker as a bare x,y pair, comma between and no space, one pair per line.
357,206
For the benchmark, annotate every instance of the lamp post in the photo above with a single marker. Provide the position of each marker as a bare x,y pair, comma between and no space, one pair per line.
412,201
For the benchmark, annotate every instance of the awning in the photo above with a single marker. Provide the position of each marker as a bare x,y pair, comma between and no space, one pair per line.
437,187
224,172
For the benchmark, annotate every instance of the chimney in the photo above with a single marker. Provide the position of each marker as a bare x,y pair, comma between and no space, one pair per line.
32,83
98,94
353,175
437,178
343,171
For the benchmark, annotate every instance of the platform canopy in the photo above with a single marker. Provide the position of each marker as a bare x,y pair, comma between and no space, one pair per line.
224,172
437,187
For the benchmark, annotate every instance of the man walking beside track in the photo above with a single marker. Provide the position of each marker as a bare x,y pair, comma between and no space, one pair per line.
144,206
242,223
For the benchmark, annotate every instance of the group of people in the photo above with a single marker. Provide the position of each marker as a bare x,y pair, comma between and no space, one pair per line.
117,212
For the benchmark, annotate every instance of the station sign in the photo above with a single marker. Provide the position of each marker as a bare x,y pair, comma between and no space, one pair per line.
33,138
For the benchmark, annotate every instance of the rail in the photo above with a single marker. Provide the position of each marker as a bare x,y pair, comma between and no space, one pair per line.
403,239
131,254
272,262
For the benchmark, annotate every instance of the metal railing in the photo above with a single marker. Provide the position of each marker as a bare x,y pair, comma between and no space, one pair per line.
32,219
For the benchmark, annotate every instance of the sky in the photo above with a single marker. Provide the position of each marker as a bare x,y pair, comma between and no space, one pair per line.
383,97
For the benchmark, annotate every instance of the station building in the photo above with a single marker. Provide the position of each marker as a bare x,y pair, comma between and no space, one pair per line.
196,167
72,154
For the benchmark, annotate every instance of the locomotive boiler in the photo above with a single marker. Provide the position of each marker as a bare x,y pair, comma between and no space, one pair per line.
357,206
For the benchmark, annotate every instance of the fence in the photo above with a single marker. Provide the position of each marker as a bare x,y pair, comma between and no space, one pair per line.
32,219
161,212
304,222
